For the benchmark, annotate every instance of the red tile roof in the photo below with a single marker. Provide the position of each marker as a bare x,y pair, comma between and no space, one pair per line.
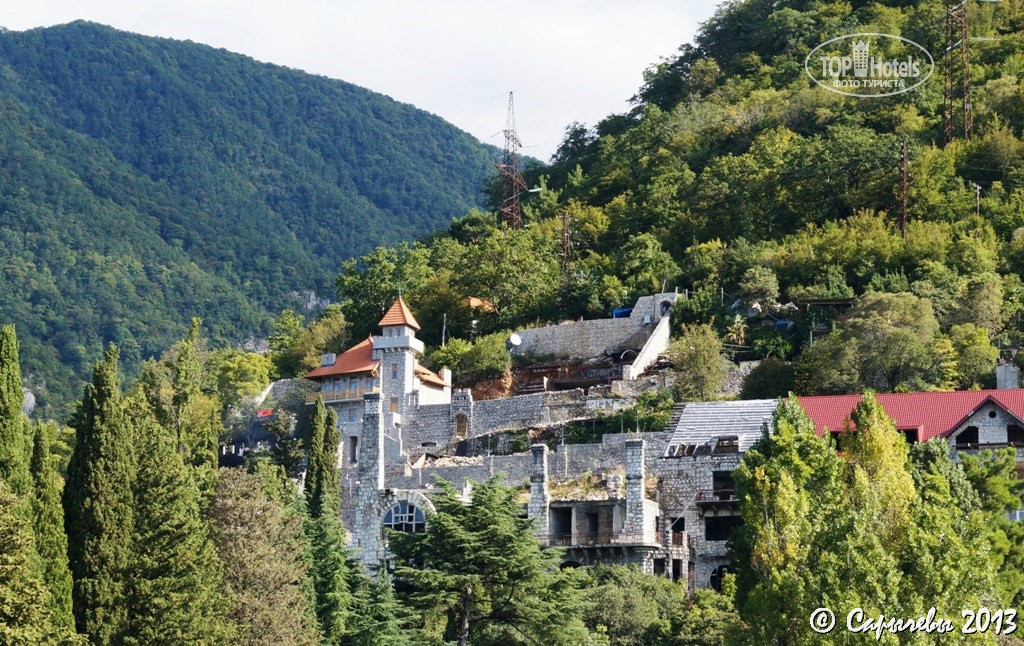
399,314
933,414
429,377
358,358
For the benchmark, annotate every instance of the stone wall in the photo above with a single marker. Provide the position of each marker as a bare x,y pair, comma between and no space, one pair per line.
513,412
430,423
579,339
655,345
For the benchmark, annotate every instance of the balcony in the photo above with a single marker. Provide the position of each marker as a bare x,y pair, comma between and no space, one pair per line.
341,394
583,539
716,500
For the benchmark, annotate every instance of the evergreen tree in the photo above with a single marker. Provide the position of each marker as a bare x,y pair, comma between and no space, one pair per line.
287,449
315,471
330,570
194,413
48,524
259,539
98,502
379,617
175,575
26,611
14,443
480,565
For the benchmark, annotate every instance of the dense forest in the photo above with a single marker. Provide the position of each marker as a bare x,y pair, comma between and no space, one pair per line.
145,180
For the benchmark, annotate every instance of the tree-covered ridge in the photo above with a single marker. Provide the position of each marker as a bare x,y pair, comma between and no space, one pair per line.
737,178
144,181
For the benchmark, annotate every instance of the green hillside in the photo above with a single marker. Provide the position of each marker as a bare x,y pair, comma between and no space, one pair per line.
144,181
737,178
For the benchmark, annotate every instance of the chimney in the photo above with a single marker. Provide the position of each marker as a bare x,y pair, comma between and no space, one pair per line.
633,526
328,359
446,375
1007,376
539,499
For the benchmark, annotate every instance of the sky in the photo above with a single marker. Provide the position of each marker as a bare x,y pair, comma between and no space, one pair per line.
565,60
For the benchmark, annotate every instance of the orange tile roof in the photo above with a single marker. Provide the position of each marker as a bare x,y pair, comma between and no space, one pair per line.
399,314
479,304
358,358
429,377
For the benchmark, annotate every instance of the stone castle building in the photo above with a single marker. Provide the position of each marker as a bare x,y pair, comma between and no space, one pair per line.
664,501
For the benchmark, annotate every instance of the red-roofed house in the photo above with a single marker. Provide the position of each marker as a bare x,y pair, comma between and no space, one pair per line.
968,419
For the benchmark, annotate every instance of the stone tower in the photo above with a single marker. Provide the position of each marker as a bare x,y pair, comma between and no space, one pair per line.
396,349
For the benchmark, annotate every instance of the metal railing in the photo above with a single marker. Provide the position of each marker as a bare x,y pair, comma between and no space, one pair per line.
717,495
338,394
679,538
583,538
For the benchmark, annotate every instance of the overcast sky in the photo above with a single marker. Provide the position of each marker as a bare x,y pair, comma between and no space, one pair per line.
566,60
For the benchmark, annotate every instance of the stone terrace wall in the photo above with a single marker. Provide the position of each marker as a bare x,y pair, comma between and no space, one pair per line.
581,339
430,423
511,412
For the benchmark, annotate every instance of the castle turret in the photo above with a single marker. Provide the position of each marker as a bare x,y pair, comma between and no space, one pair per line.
396,349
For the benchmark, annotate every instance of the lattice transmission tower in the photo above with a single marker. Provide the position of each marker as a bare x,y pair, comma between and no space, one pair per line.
512,183
958,114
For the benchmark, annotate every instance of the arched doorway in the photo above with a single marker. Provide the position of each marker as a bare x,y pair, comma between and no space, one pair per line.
461,426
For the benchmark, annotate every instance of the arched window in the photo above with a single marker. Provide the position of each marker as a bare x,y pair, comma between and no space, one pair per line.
461,426
404,517
716,577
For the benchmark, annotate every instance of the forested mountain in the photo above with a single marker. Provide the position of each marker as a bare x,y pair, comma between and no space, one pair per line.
145,180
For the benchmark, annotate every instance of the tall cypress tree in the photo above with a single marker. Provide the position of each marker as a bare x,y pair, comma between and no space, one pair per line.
48,524
14,443
98,502
315,471
175,573
326,535
26,614
195,414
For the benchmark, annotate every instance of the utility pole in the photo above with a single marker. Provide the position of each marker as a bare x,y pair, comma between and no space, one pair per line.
958,74
904,188
512,182
977,198
566,253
